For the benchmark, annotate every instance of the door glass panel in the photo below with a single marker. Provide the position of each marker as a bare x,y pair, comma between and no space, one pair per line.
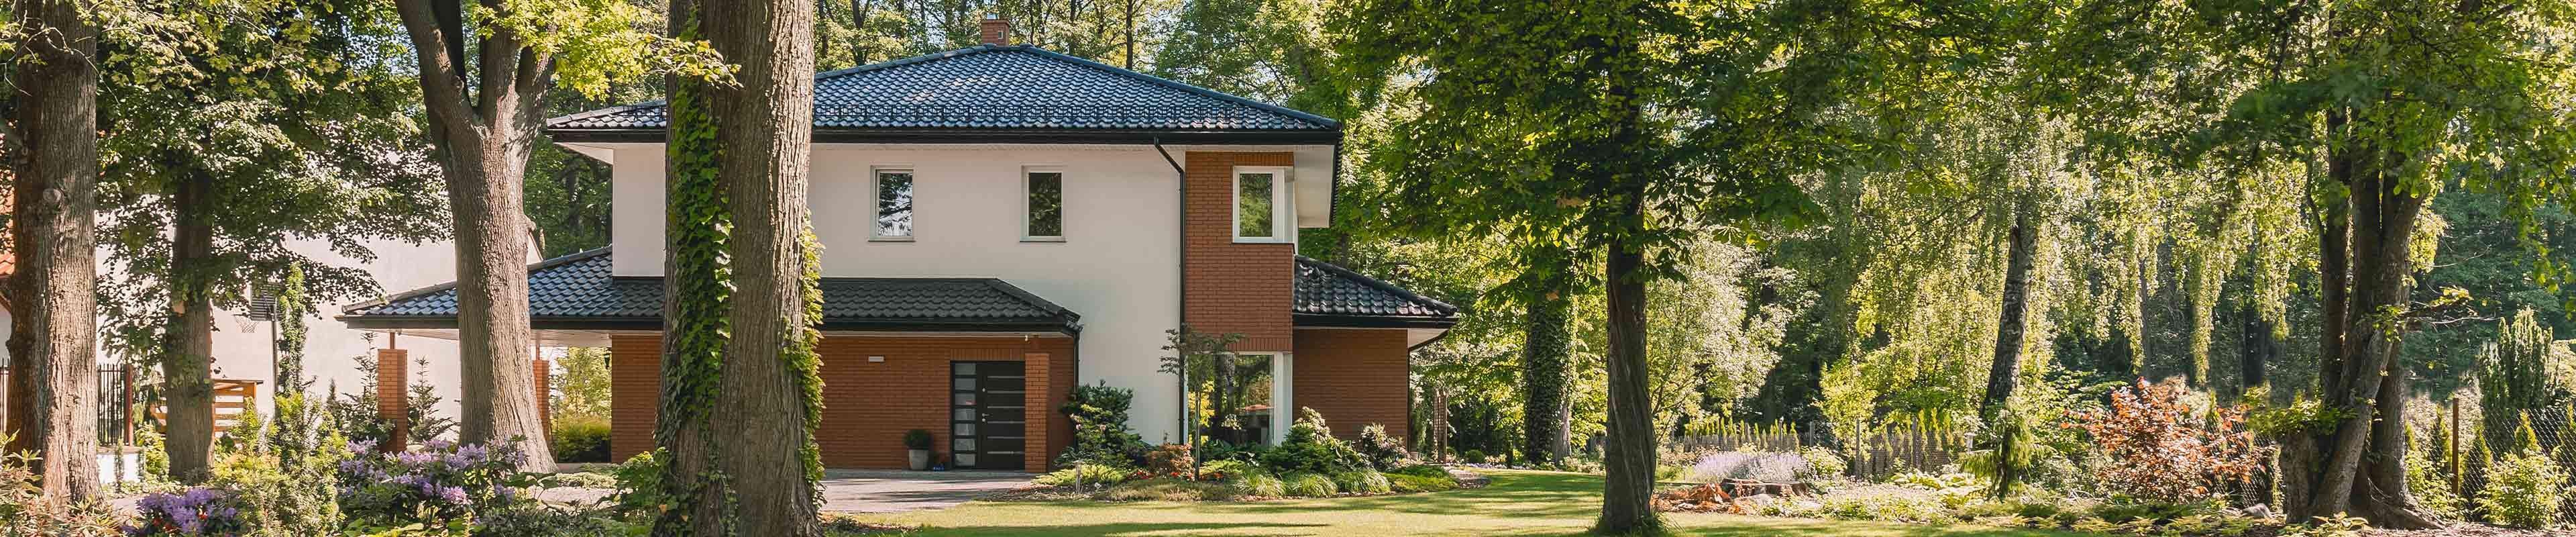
962,368
963,429
965,399
961,444
962,414
963,383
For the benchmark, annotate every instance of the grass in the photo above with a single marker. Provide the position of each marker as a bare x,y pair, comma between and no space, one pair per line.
1517,503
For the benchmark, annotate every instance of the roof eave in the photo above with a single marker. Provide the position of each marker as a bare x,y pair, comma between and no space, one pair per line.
1334,320
1000,136
425,322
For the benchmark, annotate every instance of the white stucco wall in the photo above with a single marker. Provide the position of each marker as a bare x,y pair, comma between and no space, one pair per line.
331,349
1118,265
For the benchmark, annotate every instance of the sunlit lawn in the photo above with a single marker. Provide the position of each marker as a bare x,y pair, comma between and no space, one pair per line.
1517,503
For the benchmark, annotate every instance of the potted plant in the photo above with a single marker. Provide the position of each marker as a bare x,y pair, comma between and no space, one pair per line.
919,442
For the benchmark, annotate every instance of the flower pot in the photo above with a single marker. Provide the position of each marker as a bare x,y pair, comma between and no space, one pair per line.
920,459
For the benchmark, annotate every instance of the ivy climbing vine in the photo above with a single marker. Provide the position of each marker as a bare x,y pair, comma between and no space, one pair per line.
699,293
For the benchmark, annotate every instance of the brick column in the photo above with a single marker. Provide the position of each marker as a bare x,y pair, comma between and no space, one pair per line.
392,369
1035,450
545,390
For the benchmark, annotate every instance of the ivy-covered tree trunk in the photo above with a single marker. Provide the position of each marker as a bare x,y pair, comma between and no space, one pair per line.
53,342
187,336
1547,369
2022,244
741,297
483,128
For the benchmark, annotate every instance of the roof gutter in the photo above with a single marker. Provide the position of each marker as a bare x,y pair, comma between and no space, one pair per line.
1180,235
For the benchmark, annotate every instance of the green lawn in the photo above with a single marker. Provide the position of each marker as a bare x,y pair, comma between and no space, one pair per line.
1518,503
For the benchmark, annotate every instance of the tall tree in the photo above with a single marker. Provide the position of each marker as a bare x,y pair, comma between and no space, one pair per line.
1623,127
1547,361
52,155
283,121
2396,99
483,111
741,301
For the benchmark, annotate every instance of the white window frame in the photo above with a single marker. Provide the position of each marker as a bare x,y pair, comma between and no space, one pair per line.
1282,214
1026,211
877,204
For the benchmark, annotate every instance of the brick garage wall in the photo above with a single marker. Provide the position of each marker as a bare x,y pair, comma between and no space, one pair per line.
1243,288
1355,377
867,406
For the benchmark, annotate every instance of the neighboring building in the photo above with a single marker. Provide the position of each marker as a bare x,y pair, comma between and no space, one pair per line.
1000,223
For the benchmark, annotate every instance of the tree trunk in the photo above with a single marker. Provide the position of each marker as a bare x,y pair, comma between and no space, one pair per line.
859,25
2354,468
187,345
2022,245
53,360
764,382
1630,456
483,136
1547,368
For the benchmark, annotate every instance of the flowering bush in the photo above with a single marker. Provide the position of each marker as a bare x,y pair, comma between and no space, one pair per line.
2155,447
196,511
1170,460
440,485
1309,446
1383,451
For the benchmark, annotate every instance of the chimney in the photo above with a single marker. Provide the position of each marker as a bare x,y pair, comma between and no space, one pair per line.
997,30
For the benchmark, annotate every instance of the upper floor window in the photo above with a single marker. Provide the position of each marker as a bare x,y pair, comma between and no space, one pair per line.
1260,196
894,205
1045,206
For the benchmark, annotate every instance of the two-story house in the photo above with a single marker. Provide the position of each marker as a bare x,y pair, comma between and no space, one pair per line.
1000,223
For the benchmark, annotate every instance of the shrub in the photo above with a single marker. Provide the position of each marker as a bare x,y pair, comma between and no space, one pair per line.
639,484
1310,447
2153,446
23,510
1308,485
280,472
1472,456
1416,483
197,511
435,486
1170,460
1099,415
1262,485
1381,450
2523,490
1084,474
1361,481
1220,470
1167,489
1219,450
580,439
1824,463
1422,470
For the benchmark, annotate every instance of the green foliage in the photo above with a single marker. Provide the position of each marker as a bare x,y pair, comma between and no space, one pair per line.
1309,485
1381,450
282,473
1100,435
1227,468
1361,481
1309,447
1170,460
639,484
1824,463
2304,415
2524,490
1259,485
580,439
1167,489
582,390
1421,470
2430,482
25,511
1085,474
2516,375
916,439
1416,483
2014,452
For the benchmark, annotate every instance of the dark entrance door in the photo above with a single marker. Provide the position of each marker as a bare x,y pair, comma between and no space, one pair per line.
988,418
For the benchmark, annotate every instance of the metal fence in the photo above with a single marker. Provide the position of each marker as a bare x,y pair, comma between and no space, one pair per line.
115,404
2465,443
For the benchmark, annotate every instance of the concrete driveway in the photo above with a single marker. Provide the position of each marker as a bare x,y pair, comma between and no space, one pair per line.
893,491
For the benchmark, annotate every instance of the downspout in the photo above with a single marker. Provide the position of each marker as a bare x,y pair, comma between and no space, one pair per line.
1181,306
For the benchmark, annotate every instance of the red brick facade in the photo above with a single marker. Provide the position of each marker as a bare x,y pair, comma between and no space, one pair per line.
867,405
1355,377
1242,288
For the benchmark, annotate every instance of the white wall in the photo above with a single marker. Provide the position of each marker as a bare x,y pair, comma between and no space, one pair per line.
242,347
1118,265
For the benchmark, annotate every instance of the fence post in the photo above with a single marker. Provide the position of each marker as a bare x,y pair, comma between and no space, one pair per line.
2454,448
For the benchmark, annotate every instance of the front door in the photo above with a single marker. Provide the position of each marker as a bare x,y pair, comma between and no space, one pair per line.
988,415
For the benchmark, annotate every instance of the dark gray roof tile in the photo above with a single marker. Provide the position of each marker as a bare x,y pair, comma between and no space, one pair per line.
1332,291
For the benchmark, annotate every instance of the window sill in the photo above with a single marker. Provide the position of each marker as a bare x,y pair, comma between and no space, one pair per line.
889,239
1042,239
1261,240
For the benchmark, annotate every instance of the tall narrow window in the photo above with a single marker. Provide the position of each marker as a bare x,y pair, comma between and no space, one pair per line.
1046,206
894,204
1257,193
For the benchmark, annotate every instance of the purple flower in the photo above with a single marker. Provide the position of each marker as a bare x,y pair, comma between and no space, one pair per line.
452,494
438,445
362,446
